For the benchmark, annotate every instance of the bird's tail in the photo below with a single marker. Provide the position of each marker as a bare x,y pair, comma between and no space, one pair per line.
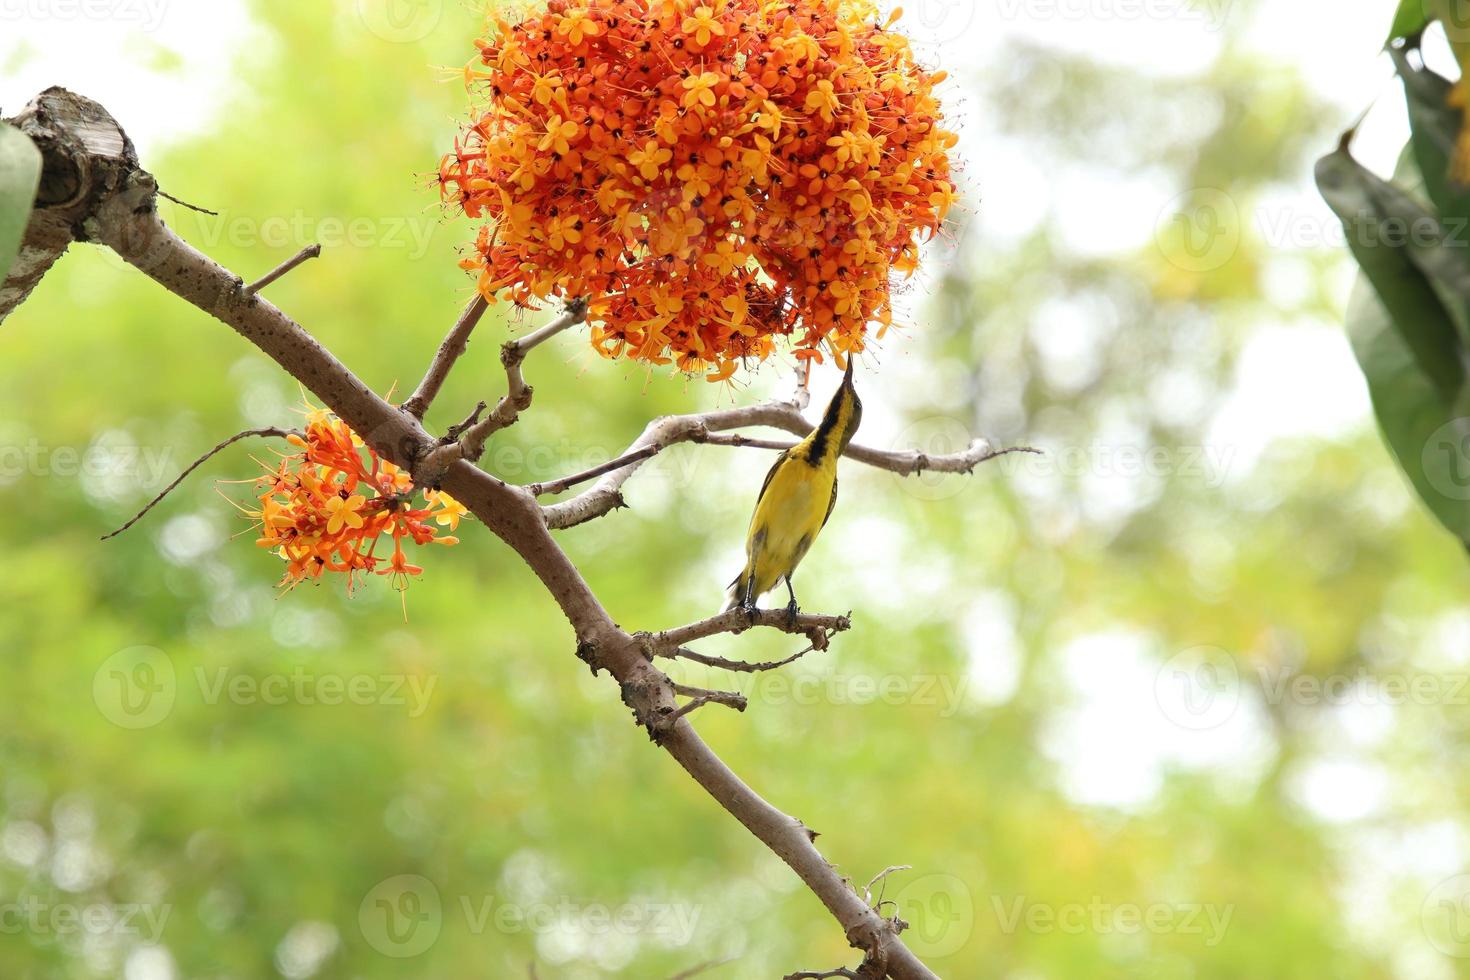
735,594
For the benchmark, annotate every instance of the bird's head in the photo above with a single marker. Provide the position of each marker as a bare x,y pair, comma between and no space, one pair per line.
846,409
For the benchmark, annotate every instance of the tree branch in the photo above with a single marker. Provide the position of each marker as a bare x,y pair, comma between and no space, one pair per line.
449,352
125,218
739,666
708,428
309,252
810,625
85,155
248,433
517,397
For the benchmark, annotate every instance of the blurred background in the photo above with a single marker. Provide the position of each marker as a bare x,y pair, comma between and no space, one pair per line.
1184,697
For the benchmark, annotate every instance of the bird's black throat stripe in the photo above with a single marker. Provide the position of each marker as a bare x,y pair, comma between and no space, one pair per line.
818,450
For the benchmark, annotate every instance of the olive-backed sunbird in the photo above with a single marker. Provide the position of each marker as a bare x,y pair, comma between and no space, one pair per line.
795,502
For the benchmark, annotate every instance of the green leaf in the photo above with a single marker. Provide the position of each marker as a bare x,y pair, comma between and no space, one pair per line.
1430,440
1416,272
1410,20
1428,436
20,173
1435,126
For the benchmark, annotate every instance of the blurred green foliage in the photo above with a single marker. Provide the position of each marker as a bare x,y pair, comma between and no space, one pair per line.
1062,703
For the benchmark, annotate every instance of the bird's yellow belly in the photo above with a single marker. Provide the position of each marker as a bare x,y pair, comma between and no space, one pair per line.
786,522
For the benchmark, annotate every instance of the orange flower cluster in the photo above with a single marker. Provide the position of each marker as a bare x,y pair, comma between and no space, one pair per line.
711,173
326,508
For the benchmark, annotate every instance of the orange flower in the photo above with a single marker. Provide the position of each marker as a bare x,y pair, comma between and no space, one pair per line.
715,174
343,512
310,516
703,26
700,89
575,25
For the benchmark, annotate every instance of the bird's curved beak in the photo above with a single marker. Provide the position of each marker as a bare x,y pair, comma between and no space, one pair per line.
847,377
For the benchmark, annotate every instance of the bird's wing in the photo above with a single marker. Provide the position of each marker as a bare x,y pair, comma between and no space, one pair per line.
771,476
831,503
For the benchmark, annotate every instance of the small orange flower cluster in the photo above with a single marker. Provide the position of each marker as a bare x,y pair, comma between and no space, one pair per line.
326,508
711,173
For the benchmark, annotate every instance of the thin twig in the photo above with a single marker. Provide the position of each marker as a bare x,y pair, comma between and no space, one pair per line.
740,620
883,877
454,431
695,971
728,698
740,666
739,441
185,204
710,428
567,482
309,252
841,971
688,707
248,433
517,397
449,352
